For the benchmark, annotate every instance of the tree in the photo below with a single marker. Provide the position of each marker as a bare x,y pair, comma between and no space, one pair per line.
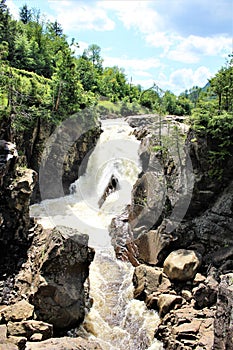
25,14
57,28
92,53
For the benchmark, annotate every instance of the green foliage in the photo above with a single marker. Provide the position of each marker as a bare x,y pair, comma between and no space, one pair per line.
213,119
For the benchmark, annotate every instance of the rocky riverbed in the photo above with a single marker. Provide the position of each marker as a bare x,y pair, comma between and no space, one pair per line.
177,232
183,263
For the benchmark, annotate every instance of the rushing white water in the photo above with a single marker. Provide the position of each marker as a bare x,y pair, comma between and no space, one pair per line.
116,320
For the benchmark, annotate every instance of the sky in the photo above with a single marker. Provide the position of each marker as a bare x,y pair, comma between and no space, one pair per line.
176,44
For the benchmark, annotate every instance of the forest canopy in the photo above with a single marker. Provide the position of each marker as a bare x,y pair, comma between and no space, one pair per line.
42,76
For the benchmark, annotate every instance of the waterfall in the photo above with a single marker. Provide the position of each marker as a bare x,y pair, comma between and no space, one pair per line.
116,320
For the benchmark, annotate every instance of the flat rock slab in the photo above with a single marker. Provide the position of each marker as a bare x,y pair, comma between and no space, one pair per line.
17,312
63,343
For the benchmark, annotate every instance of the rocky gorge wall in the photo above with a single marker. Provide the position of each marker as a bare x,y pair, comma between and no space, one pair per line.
33,145
182,266
44,287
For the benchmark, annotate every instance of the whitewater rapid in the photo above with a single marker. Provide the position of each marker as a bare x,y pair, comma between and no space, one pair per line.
116,320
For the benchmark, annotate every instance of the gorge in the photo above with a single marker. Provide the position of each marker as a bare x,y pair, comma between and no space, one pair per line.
124,303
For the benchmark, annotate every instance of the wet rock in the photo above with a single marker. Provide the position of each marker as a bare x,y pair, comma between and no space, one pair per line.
223,323
28,328
146,280
122,238
18,312
181,264
148,198
166,302
53,276
64,343
112,186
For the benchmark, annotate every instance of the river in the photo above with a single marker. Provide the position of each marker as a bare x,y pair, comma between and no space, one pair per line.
116,320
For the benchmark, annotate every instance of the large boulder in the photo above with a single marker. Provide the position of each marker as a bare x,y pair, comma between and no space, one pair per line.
151,244
181,264
146,280
148,199
53,276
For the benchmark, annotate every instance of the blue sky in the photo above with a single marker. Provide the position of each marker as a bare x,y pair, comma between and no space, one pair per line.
174,43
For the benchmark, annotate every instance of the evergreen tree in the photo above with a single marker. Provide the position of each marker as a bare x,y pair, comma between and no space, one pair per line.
25,14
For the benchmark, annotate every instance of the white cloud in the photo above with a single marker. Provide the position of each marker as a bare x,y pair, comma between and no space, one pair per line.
177,81
135,64
161,40
190,49
186,78
142,73
145,83
135,14
82,45
80,16
14,11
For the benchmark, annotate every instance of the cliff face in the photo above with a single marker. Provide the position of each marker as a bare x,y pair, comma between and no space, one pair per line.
181,210
16,186
73,140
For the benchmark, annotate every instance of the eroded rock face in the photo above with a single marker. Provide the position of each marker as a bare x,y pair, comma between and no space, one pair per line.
53,276
148,199
16,186
223,324
65,155
186,300
181,264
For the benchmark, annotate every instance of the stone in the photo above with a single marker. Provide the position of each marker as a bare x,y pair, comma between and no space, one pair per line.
8,346
205,294
198,278
186,294
18,341
166,302
54,276
150,244
3,331
18,311
64,343
182,264
28,328
36,337
223,322
187,328
146,280
148,199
